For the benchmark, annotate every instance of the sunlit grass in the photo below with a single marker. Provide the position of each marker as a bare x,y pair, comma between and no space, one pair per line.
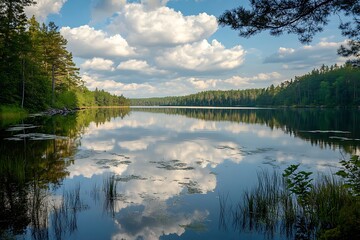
11,115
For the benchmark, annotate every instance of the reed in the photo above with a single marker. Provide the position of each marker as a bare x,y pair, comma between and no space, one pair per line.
271,207
110,187
39,212
223,211
110,190
64,215
263,206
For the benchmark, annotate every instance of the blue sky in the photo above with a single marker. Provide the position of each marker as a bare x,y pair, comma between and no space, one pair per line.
152,48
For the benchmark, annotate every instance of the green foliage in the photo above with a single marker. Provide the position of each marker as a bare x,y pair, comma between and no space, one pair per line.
351,173
303,18
327,86
10,109
348,224
298,183
67,99
36,69
103,98
11,114
322,209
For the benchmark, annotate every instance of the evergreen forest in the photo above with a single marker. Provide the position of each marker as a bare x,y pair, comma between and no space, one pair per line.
36,69
328,86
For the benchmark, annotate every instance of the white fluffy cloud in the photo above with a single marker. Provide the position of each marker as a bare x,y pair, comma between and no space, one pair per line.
98,64
118,88
309,56
139,66
239,81
149,224
203,83
161,26
86,42
43,8
202,56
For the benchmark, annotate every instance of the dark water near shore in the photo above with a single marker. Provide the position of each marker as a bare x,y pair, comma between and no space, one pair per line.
155,173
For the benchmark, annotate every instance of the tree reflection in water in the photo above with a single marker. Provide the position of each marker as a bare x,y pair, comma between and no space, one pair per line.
32,168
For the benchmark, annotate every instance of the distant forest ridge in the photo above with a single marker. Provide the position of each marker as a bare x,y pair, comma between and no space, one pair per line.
328,86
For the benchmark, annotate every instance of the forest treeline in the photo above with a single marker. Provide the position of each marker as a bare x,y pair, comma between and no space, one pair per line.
327,86
36,69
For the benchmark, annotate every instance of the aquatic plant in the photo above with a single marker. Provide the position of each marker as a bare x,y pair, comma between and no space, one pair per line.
110,190
64,215
109,187
39,212
351,173
266,207
223,211
298,183
295,206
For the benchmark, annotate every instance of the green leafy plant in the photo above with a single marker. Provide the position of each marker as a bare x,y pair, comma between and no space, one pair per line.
298,183
351,173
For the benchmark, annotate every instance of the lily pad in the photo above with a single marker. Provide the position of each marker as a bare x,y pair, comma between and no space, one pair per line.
172,165
225,147
326,131
344,138
20,127
36,136
192,187
129,178
107,163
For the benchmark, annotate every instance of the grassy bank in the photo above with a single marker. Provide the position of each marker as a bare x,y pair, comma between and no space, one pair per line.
11,114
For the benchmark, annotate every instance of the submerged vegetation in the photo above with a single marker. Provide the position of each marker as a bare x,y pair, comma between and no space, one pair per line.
297,206
327,86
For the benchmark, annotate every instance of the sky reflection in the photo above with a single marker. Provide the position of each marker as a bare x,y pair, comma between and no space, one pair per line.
160,159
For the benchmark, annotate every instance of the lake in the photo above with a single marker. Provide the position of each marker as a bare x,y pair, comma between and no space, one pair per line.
157,173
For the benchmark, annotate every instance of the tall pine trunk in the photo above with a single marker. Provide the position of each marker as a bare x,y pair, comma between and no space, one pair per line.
53,83
23,82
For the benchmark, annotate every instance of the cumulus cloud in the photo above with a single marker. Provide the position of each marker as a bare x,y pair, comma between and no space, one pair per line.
283,51
98,64
307,56
118,88
202,56
153,50
149,223
86,42
43,8
239,81
203,83
139,66
161,26
186,85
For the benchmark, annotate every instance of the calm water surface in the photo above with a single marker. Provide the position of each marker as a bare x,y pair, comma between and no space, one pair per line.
156,173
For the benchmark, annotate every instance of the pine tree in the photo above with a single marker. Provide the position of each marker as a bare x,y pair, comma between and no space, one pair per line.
13,48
